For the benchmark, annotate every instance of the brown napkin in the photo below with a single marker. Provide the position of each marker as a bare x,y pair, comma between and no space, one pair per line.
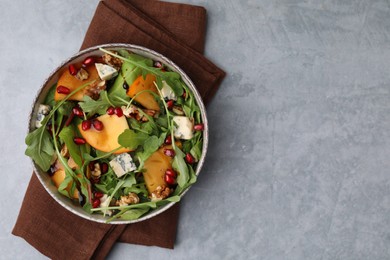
178,32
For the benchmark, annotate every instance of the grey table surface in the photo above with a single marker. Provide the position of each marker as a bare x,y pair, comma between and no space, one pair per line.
298,164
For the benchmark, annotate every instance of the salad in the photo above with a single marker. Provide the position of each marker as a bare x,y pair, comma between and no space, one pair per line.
119,134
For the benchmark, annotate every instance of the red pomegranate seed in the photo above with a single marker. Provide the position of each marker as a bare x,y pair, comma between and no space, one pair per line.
72,69
63,90
171,173
70,118
98,125
77,111
169,152
170,104
96,203
104,168
110,111
86,125
184,94
79,140
189,158
168,140
91,165
199,127
95,181
98,194
169,179
118,111
157,64
88,61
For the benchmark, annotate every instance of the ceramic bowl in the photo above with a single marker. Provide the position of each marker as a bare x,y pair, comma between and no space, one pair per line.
53,78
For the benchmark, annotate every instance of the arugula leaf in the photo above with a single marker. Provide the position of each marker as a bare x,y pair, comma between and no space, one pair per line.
128,73
40,147
49,99
66,108
99,106
132,214
181,167
64,185
197,143
131,139
129,181
107,183
150,146
137,188
67,134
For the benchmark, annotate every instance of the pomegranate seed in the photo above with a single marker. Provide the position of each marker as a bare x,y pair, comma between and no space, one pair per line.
72,69
157,64
98,194
63,90
189,158
77,111
70,118
169,152
110,111
184,94
95,181
171,173
79,140
104,167
199,127
170,104
96,203
118,111
91,165
169,179
125,85
88,61
98,125
168,140
86,125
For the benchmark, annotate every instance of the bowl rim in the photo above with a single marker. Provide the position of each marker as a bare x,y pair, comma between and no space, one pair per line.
159,57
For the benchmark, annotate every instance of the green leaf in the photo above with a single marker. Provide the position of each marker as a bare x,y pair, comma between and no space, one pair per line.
181,167
150,146
40,148
99,106
196,150
129,181
64,185
66,108
49,99
131,139
139,188
132,214
67,134
128,73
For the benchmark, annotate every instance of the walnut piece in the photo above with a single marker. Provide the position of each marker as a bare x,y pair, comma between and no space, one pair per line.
112,61
64,151
131,198
161,192
96,172
82,74
94,89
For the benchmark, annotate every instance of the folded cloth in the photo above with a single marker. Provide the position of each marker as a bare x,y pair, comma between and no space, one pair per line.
178,32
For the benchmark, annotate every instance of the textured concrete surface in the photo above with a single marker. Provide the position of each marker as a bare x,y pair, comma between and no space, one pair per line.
298,165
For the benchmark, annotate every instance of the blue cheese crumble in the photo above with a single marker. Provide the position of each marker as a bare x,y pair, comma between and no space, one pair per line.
43,111
122,164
